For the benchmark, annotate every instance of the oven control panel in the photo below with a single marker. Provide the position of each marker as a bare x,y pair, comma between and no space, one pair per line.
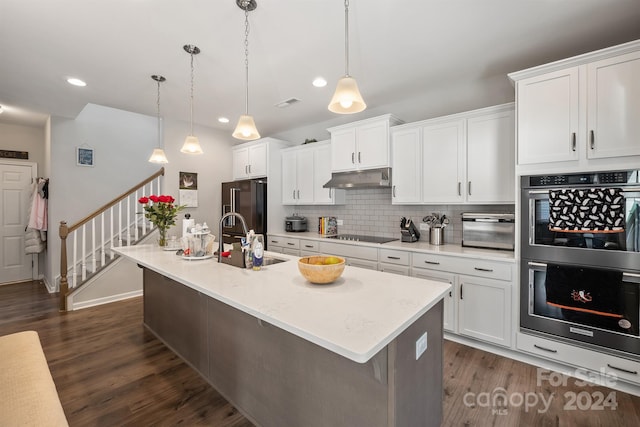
618,177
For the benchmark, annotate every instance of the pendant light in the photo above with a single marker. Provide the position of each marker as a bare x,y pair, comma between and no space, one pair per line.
347,98
246,127
191,144
158,155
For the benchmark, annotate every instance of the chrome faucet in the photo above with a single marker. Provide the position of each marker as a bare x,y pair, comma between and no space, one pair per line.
225,216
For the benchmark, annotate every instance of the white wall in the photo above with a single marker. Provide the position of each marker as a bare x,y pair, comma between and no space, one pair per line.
123,142
24,138
213,167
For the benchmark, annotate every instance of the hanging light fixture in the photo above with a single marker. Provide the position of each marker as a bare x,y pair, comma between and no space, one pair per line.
246,127
158,155
347,98
191,144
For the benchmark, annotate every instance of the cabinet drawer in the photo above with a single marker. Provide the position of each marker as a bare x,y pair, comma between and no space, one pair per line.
309,245
391,256
284,242
614,367
435,262
488,269
393,268
350,251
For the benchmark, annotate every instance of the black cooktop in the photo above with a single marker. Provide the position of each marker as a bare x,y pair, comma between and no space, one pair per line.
361,238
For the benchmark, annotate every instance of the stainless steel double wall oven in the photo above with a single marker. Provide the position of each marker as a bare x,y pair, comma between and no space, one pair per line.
580,255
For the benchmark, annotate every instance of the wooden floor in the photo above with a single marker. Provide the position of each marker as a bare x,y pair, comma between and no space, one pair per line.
110,371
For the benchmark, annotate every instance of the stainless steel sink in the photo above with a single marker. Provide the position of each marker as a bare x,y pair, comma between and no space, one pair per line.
271,261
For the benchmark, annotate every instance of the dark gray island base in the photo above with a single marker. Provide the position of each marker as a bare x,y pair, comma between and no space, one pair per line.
277,379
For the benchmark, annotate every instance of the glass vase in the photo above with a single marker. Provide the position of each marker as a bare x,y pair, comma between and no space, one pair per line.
162,239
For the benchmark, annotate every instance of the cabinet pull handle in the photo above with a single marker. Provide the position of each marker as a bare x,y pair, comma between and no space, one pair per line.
488,270
450,294
545,349
469,188
274,241
432,262
393,257
359,161
592,139
393,191
308,246
573,141
298,193
291,244
622,369
293,194
461,290
353,158
459,188
249,168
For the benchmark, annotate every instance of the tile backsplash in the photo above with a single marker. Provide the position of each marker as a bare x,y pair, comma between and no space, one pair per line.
370,212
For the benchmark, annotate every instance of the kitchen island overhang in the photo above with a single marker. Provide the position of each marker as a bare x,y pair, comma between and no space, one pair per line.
351,344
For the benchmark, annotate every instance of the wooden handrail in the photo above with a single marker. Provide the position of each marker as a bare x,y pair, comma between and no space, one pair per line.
64,231
114,201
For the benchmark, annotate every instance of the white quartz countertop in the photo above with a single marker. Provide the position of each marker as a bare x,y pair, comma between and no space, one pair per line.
422,246
355,317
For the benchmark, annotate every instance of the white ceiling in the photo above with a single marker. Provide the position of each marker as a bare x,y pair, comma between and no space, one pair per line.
416,59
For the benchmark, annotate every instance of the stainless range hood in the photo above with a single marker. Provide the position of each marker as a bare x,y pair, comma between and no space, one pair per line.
371,178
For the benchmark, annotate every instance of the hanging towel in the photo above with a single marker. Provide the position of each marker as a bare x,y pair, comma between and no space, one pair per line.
588,290
587,210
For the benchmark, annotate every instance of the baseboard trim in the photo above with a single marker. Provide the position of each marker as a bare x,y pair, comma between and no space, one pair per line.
105,300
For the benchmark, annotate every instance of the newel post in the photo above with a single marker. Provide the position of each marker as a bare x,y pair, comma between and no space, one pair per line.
64,284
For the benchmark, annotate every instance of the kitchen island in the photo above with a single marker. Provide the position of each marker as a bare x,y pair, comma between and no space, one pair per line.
287,352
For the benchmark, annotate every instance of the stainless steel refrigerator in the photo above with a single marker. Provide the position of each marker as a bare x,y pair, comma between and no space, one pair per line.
249,199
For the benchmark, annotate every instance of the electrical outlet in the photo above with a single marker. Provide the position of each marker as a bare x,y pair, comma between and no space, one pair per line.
424,226
339,222
421,345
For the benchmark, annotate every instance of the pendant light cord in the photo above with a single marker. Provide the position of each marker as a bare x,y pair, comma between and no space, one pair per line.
346,38
158,113
191,93
246,58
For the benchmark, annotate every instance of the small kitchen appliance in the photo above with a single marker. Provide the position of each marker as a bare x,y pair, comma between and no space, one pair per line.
408,230
489,230
295,223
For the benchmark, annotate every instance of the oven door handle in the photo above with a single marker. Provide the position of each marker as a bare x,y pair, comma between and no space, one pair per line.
537,264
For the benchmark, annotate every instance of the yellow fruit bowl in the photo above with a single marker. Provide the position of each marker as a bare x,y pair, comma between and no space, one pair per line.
321,269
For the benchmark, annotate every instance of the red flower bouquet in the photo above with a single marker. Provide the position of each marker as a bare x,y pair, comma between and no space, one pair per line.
161,211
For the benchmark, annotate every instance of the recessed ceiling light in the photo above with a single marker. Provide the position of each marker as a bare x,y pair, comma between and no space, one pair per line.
223,120
76,82
319,82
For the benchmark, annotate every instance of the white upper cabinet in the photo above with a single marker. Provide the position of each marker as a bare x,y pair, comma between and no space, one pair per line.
305,169
406,169
548,108
491,158
463,158
580,113
443,159
250,161
613,110
361,145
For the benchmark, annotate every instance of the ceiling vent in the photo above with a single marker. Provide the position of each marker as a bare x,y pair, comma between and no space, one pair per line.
287,102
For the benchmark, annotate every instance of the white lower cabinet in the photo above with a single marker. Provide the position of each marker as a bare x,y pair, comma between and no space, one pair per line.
449,317
354,255
479,305
308,247
484,309
394,261
284,245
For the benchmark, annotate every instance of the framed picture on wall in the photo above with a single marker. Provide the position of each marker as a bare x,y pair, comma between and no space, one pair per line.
84,156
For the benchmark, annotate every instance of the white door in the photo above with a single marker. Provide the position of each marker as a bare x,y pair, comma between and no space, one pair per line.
407,166
289,179
443,162
304,177
373,146
15,187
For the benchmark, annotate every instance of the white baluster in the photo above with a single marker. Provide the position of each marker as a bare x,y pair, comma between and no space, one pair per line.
75,259
128,221
93,245
84,253
135,216
119,223
111,233
104,244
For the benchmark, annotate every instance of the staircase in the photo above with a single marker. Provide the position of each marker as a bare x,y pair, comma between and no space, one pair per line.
118,223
